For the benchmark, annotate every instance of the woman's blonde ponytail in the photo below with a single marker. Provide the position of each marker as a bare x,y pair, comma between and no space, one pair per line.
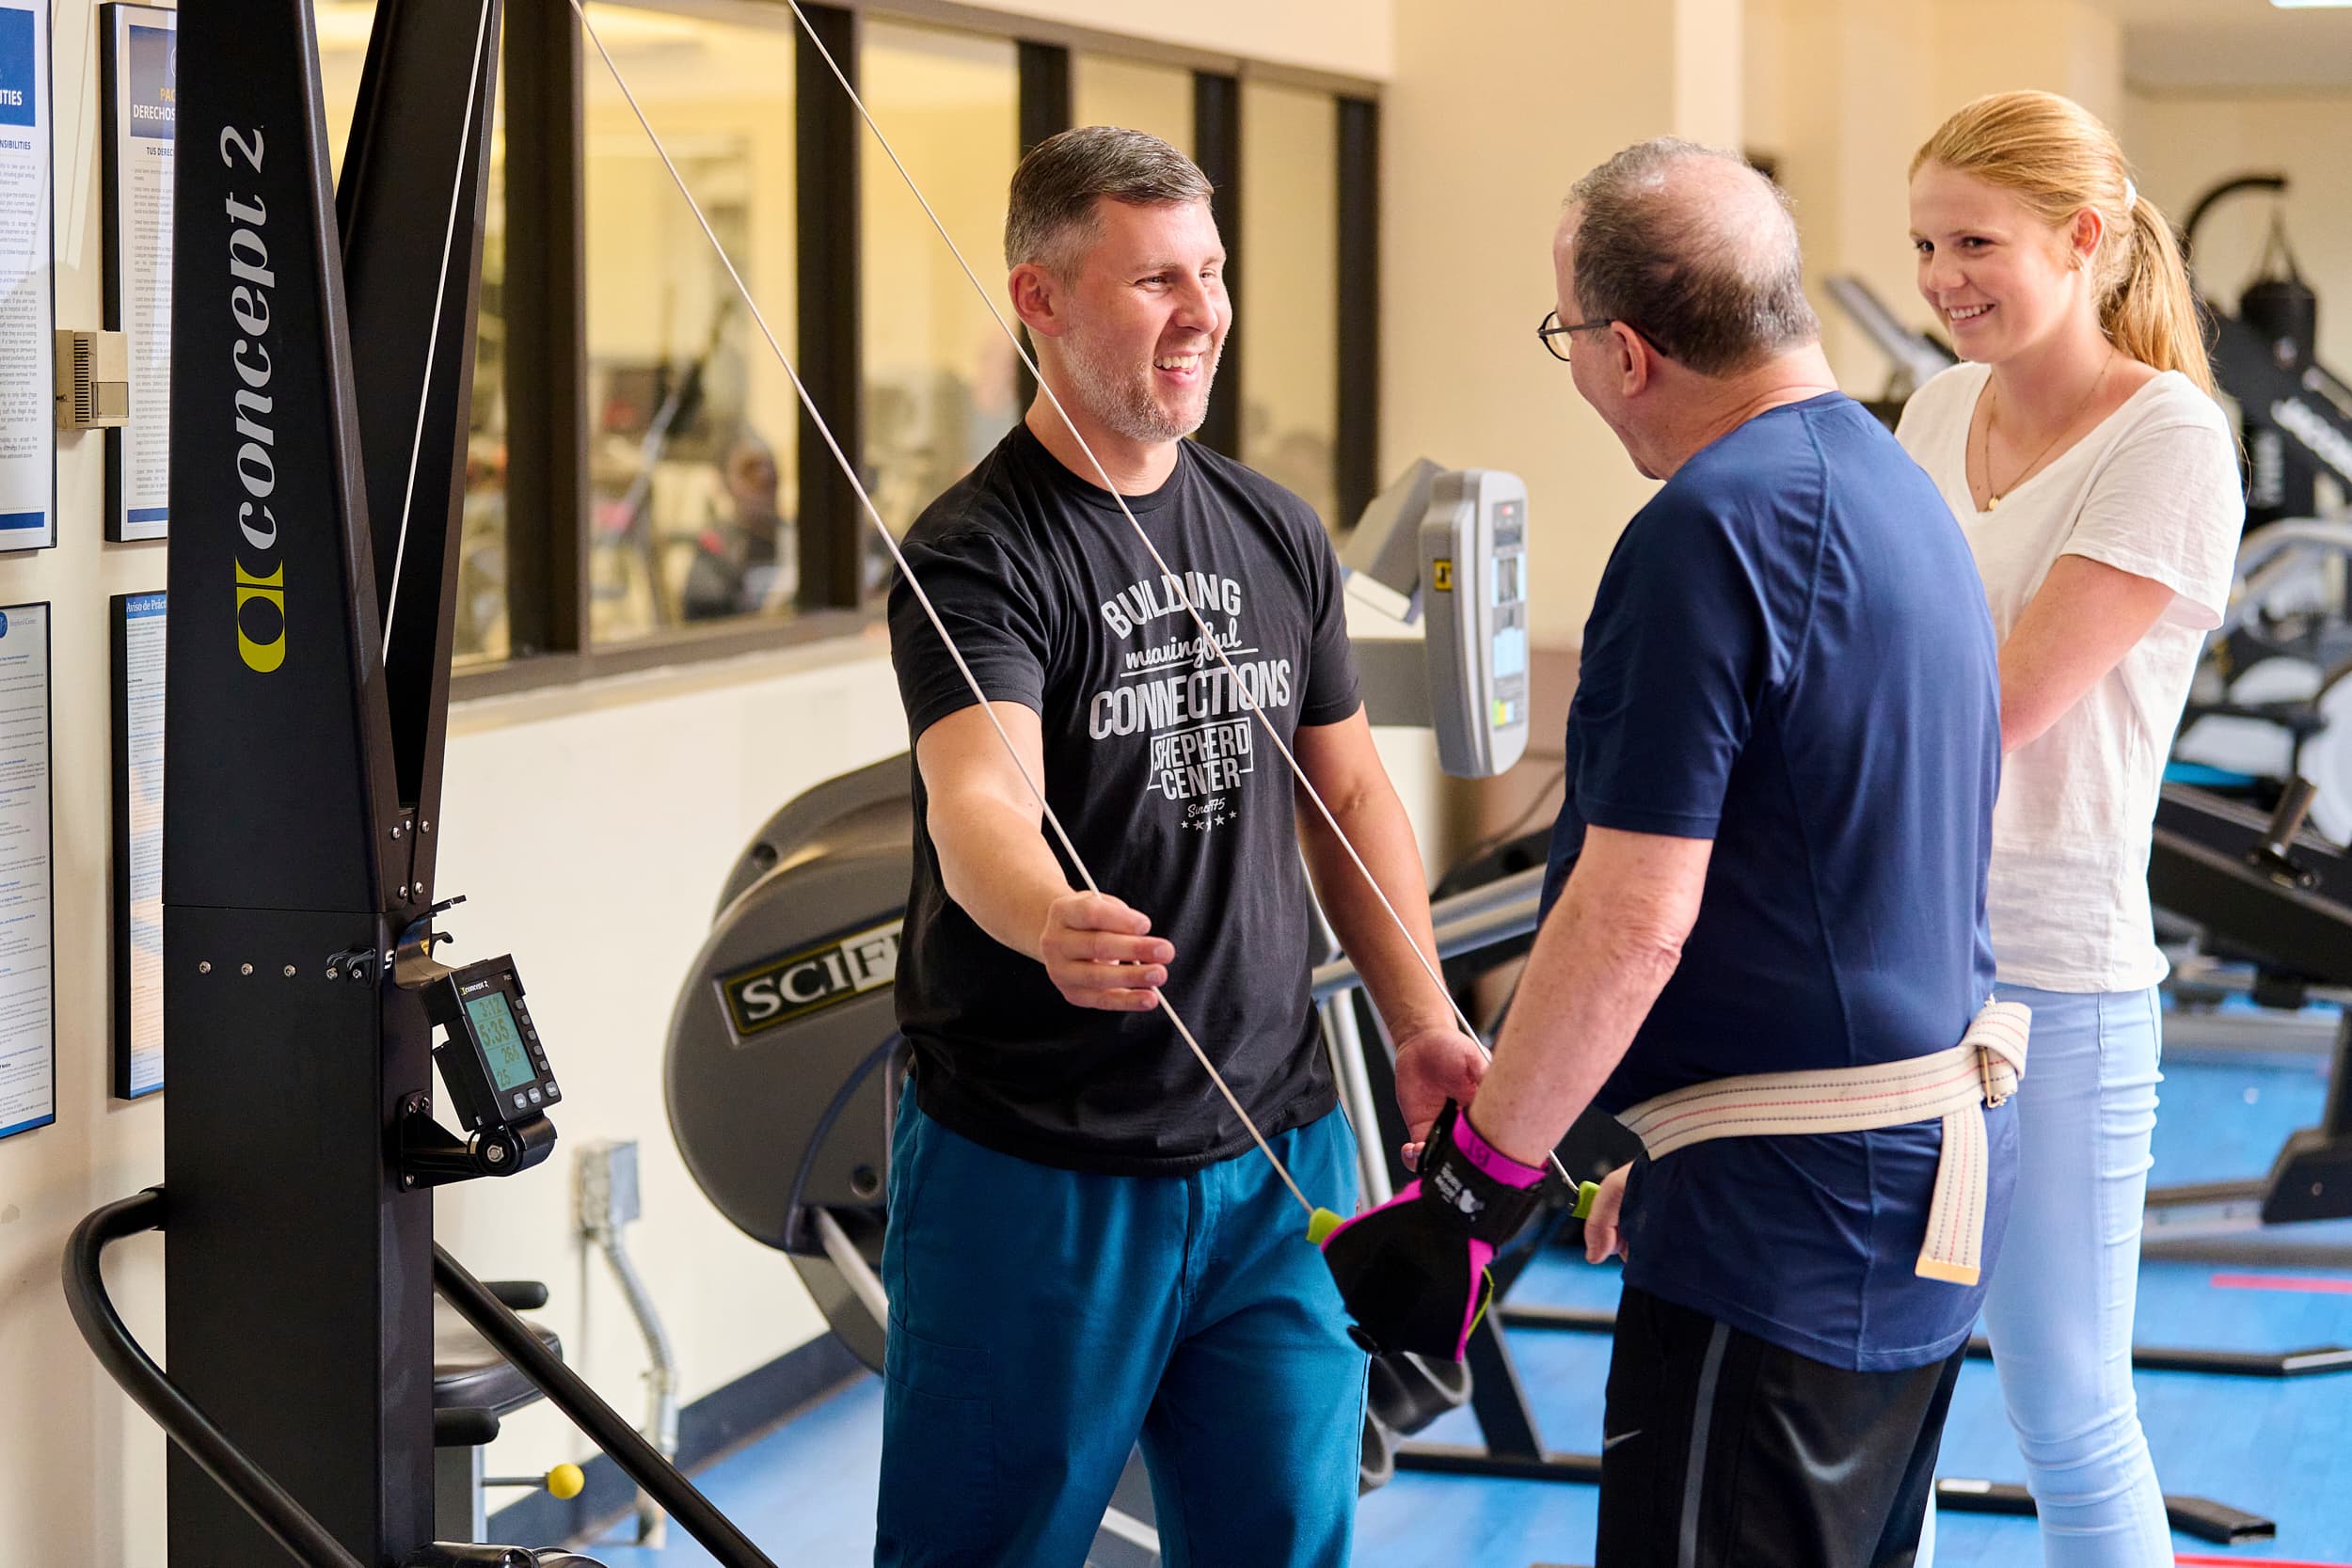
2152,314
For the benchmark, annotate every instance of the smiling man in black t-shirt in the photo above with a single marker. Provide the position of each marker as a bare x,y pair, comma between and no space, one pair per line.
1085,1246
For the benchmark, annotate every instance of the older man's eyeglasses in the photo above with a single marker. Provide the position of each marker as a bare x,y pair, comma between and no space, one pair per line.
1555,337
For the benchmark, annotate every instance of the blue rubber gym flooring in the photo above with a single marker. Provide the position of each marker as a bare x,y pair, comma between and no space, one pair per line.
2281,1447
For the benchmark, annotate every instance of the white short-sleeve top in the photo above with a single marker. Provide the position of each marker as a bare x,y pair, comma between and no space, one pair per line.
2152,490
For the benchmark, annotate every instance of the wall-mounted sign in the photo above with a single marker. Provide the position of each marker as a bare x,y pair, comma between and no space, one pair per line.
138,933
139,67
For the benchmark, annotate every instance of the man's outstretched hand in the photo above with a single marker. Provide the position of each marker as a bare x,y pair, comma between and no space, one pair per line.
1099,953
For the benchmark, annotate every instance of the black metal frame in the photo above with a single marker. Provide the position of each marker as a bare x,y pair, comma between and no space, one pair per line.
1355,460
1217,148
2292,410
830,527
2261,890
1046,109
546,297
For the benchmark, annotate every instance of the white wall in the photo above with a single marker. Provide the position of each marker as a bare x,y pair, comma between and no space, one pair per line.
1483,129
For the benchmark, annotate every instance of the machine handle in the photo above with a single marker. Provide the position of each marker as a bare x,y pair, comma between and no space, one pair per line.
2275,855
274,1507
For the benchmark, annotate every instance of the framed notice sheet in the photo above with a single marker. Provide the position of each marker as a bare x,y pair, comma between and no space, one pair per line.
29,315
138,937
139,67
28,1034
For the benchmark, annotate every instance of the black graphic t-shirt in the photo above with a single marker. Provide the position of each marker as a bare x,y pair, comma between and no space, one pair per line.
1167,783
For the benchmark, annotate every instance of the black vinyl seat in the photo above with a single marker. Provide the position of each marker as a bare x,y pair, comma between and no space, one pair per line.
469,1373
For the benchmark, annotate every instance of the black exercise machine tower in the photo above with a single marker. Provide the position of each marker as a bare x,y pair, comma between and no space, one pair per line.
322,359
306,744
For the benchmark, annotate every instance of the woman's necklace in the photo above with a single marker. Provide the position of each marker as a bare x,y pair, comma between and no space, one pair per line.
1993,495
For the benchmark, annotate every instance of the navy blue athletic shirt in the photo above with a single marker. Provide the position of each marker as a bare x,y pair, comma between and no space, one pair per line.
1790,654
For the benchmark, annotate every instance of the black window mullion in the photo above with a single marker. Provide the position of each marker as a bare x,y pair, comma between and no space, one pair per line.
1217,148
830,525
545,296
1046,109
1356,457
1046,92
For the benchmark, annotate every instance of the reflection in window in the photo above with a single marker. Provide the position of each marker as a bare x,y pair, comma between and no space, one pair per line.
939,376
480,636
1287,318
691,422
1107,89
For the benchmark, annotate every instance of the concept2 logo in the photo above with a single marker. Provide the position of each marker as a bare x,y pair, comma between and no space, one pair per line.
261,567
777,991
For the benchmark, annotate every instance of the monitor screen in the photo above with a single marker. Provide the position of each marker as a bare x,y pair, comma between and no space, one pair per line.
493,1019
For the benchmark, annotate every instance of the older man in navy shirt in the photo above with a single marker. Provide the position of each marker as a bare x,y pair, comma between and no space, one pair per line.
1765,912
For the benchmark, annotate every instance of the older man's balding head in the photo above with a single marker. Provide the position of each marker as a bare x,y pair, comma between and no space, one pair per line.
1694,250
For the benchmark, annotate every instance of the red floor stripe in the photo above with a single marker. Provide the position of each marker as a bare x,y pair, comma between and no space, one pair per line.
2315,1285
2251,1563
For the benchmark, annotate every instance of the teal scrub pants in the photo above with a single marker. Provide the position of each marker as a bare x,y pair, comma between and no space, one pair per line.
1044,1320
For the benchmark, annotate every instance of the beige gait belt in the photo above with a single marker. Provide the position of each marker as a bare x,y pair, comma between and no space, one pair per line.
1957,1084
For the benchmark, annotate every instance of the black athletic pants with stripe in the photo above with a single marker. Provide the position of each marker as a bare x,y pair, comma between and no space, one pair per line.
1722,1451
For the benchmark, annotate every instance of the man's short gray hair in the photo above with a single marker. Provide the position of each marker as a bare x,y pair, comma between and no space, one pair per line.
1716,285
1051,220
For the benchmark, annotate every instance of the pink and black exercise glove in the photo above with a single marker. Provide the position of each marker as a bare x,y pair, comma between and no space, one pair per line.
1413,1272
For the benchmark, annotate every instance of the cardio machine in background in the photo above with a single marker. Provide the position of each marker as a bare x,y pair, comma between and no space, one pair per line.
784,1063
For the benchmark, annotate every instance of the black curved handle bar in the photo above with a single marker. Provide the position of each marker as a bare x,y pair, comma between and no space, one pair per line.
272,1506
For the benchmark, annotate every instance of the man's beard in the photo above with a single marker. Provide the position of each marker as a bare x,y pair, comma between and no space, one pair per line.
1113,392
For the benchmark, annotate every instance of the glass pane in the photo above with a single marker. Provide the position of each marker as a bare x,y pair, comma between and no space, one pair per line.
1287,318
940,387
480,635
1107,89
692,420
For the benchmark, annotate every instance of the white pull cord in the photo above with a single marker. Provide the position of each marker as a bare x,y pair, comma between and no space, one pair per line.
848,471
1208,638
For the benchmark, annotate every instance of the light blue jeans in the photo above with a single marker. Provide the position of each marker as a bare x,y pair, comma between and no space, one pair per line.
2059,1309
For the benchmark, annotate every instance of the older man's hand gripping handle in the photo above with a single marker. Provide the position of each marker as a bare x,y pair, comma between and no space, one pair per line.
1413,1272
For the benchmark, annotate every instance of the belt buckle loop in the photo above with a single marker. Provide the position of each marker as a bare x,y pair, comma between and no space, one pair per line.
1997,1074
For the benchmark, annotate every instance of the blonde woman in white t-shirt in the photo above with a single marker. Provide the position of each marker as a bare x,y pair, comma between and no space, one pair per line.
2096,480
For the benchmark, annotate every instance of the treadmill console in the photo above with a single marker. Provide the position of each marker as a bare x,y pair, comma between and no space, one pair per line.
492,1061
1473,554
